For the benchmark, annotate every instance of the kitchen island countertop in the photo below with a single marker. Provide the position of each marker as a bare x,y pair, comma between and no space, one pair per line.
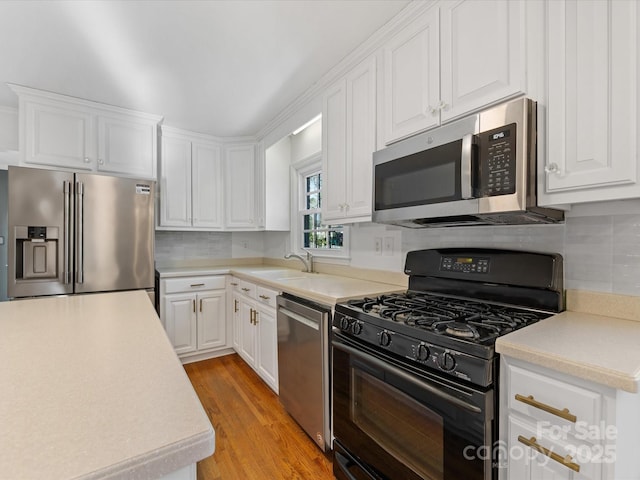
598,348
92,388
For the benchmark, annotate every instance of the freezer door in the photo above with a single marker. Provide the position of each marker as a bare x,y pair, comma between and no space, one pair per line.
40,249
114,233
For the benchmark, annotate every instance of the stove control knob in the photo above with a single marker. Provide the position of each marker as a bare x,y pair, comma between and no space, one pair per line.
385,338
447,362
422,353
356,328
345,323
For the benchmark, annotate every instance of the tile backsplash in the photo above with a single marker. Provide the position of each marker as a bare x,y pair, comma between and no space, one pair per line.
181,246
601,253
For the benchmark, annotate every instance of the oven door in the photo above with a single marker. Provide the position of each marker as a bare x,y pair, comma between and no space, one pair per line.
392,421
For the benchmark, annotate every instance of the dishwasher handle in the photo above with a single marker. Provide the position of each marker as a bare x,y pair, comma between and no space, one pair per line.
299,318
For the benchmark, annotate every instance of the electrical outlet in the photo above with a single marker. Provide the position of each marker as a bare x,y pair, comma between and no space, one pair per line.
387,246
377,245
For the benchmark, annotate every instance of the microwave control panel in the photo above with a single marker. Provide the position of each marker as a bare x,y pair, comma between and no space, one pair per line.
497,154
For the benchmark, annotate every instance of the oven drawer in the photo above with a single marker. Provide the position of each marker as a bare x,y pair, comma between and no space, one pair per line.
547,399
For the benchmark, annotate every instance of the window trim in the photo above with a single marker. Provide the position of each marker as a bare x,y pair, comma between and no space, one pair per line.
299,171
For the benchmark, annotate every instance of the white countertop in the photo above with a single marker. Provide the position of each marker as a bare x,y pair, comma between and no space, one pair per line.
320,287
91,387
602,349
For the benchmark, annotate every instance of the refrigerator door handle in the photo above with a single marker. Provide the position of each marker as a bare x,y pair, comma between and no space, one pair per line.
80,232
66,246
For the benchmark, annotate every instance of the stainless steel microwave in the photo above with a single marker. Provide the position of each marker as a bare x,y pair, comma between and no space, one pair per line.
480,170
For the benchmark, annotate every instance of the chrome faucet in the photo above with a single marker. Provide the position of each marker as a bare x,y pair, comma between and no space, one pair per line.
308,262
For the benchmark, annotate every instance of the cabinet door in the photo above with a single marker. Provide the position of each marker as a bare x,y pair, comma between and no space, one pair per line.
267,363
240,186
334,151
412,78
592,100
247,333
57,135
175,188
180,321
236,313
212,332
127,145
206,183
361,139
482,54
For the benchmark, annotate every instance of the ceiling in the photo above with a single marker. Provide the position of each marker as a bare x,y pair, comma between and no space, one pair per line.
222,67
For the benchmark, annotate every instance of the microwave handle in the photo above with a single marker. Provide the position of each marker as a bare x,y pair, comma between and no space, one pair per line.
466,190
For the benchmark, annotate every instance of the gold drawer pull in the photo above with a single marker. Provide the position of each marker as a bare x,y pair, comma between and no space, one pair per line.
235,306
264,297
547,408
233,284
245,289
197,284
566,461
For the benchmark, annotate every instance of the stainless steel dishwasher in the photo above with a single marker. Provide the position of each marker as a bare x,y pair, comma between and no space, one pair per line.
303,365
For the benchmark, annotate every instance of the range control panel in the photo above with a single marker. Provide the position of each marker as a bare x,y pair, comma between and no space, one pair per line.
498,161
464,264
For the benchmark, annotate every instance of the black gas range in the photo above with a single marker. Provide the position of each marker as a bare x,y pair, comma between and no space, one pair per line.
434,345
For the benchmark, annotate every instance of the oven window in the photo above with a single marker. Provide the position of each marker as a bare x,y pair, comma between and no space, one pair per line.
430,176
406,429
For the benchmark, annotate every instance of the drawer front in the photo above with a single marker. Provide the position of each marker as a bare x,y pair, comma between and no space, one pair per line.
550,399
194,284
266,296
247,288
536,456
234,284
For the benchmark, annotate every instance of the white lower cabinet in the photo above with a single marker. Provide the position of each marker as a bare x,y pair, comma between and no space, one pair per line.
193,312
255,328
556,426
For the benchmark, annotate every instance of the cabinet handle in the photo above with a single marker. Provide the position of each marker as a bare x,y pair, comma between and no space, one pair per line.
252,316
233,284
235,306
245,289
264,297
443,106
566,461
100,161
87,160
197,284
194,305
200,305
255,317
552,168
547,408
432,110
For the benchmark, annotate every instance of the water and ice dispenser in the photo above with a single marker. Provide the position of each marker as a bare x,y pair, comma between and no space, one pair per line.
36,252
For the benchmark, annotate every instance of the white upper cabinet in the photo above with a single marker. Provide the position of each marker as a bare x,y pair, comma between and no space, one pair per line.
592,102
190,181
348,126
240,167
457,57
66,132
483,60
127,145
412,78
206,185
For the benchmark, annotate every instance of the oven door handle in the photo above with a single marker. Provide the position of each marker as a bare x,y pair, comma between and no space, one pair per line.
410,378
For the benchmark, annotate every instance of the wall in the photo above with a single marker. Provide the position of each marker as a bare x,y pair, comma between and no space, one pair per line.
189,246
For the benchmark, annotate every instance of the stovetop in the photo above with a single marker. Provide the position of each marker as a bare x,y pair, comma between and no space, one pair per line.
458,303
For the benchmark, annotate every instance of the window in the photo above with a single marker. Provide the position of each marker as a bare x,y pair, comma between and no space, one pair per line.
315,235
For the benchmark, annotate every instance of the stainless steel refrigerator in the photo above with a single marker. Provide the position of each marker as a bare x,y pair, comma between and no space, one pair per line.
78,233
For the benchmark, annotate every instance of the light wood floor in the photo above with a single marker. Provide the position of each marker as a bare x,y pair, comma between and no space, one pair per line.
255,437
